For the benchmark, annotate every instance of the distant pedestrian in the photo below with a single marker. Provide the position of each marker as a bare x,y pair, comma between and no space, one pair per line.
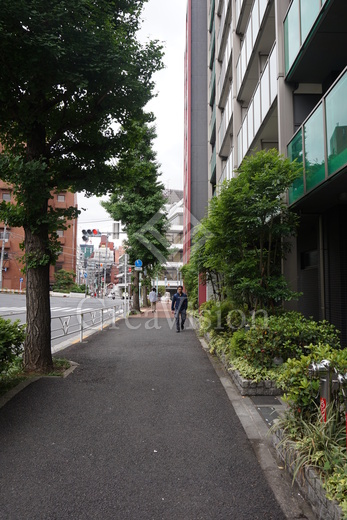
153,299
179,307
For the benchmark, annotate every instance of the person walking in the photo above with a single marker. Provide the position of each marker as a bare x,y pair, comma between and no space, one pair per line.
179,307
153,299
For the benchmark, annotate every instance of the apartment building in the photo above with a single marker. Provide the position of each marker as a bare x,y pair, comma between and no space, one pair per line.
195,184
11,238
277,77
170,276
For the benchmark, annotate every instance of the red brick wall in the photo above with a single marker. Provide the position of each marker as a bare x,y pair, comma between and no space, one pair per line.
67,260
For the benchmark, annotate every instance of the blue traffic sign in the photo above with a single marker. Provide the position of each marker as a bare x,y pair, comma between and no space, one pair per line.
138,263
85,275
21,279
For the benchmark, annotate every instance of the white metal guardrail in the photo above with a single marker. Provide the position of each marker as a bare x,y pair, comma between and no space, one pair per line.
80,322
83,321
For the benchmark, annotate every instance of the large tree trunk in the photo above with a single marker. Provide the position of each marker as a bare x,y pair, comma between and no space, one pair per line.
144,292
136,299
37,346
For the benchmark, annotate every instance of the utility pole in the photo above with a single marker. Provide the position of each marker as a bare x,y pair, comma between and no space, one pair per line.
2,254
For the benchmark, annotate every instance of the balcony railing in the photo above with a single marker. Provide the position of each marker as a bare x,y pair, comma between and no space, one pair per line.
260,104
320,144
251,34
299,22
213,166
226,118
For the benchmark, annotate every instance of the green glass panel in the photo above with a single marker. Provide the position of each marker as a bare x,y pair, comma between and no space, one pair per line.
336,117
309,12
314,149
292,40
295,152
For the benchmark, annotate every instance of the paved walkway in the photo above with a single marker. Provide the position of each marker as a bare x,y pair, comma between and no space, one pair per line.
143,429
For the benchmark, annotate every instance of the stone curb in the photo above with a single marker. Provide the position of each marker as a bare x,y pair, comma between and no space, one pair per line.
309,482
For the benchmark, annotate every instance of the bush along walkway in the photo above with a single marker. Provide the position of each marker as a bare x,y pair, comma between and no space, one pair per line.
268,359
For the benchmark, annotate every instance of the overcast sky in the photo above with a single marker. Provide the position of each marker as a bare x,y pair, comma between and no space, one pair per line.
163,20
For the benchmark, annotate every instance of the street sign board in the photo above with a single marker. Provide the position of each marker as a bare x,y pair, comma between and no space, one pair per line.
138,263
85,275
138,268
21,280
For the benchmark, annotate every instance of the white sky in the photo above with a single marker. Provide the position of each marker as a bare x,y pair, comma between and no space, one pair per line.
163,20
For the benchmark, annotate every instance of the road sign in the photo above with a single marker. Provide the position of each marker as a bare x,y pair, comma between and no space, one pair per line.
138,268
85,275
138,263
21,280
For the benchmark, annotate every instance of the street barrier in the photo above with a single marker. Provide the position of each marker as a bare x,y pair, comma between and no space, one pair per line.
65,325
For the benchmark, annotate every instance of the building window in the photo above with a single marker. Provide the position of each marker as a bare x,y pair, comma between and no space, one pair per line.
61,198
3,235
6,197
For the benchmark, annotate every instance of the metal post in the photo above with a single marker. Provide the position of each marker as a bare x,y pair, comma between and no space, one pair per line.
105,266
125,283
323,369
2,254
81,329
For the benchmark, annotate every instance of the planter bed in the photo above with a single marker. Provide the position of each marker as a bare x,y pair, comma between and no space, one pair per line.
249,387
309,483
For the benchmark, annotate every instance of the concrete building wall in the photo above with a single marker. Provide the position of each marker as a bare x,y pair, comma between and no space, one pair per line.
271,70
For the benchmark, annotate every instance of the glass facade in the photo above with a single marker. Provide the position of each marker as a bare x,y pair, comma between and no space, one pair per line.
292,34
309,12
300,19
318,155
336,121
295,153
314,149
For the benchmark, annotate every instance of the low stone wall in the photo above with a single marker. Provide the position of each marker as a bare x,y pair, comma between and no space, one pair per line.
309,483
248,387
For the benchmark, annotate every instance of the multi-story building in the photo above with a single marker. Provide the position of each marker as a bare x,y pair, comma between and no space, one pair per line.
170,276
195,125
277,77
12,275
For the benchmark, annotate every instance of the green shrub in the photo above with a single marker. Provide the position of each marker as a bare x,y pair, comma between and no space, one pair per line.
312,442
214,316
301,392
12,336
286,336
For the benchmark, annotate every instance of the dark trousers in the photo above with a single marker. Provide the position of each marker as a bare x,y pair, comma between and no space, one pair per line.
177,318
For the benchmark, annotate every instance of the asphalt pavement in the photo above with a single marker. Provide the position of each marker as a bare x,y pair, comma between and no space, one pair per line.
142,429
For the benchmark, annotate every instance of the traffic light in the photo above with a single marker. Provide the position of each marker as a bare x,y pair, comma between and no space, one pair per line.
88,233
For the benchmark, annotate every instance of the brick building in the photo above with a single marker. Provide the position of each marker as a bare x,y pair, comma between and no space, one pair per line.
12,265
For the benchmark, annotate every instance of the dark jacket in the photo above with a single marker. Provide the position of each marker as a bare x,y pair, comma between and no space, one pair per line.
179,303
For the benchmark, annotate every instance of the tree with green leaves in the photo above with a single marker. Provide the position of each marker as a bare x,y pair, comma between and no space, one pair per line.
72,75
140,205
247,232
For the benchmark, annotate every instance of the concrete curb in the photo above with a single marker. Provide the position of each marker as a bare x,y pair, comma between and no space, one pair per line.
23,384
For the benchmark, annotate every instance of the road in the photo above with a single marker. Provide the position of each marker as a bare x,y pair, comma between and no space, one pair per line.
65,312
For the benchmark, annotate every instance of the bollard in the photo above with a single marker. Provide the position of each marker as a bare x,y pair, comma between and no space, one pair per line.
342,379
323,370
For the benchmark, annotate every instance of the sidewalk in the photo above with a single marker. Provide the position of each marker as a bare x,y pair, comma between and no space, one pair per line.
143,429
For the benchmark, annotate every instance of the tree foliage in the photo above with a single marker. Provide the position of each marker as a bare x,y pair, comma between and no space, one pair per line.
72,75
244,238
140,205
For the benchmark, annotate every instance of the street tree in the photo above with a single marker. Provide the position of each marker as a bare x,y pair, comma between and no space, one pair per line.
72,74
140,204
247,232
